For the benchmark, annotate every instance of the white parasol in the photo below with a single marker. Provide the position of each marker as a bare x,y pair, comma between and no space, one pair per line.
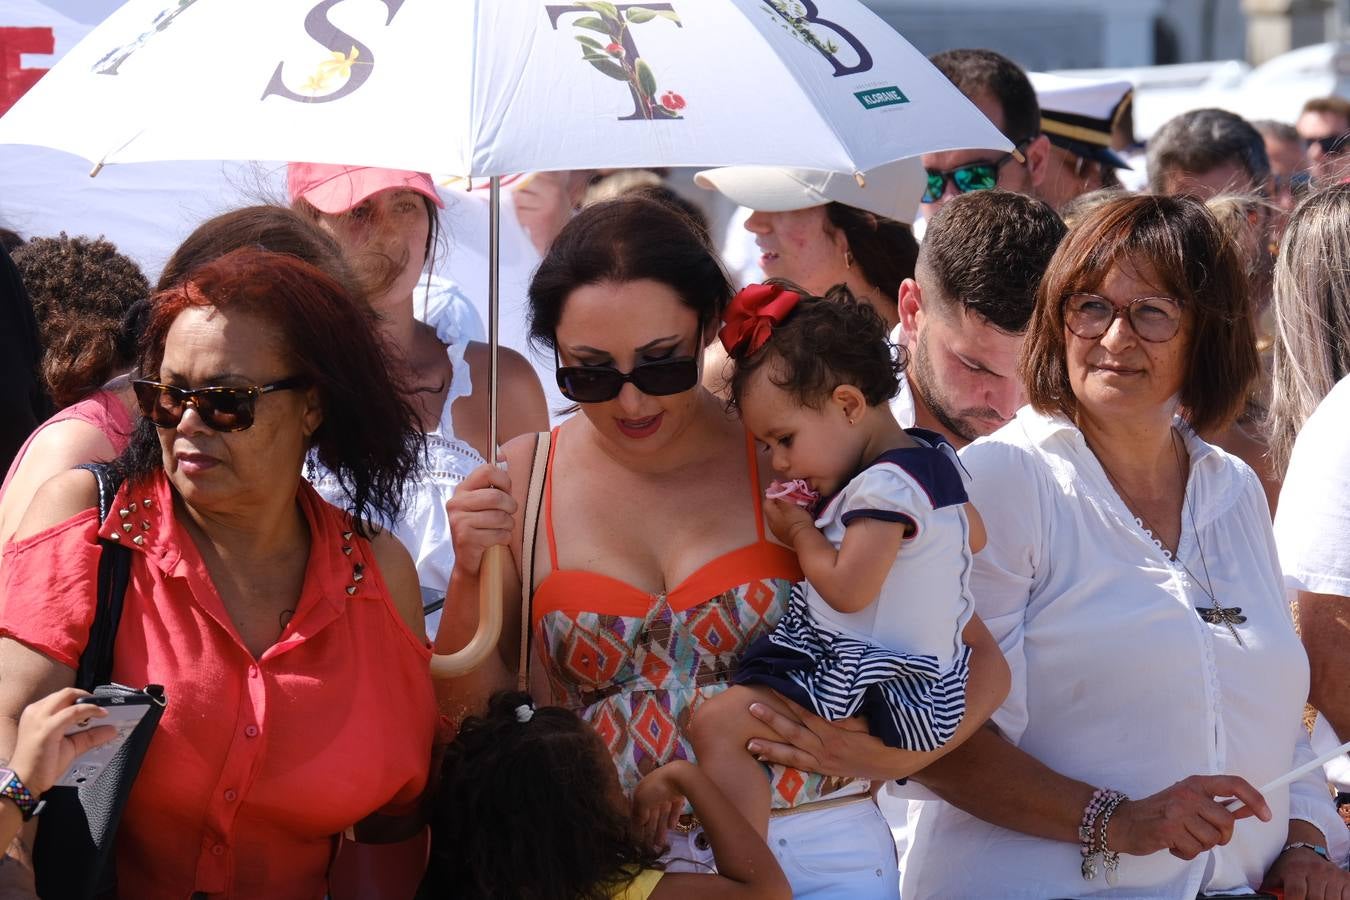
494,87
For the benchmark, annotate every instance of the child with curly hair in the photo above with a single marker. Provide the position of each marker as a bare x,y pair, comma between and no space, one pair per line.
530,807
879,519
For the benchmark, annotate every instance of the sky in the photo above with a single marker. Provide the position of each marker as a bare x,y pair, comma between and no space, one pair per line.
87,11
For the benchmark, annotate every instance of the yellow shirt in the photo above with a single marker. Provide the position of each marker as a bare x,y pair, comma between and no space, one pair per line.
641,887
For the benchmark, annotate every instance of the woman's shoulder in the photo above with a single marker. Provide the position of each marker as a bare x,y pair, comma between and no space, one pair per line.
523,408
397,572
400,577
513,365
1223,478
60,499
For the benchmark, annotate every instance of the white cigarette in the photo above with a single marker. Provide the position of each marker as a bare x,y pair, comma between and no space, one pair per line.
1296,774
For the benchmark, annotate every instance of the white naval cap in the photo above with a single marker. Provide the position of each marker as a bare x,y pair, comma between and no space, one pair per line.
1079,114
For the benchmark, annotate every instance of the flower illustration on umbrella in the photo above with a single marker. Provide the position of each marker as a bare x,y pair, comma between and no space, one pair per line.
337,65
616,57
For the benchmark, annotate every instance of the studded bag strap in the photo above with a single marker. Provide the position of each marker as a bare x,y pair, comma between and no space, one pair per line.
530,531
114,571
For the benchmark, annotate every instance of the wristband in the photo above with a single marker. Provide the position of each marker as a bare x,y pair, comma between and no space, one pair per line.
1304,845
15,790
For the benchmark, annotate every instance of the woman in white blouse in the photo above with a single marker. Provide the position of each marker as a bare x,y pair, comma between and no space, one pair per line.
1132,581
386,222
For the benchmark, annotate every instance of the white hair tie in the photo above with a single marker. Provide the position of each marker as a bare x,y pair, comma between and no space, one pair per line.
524,713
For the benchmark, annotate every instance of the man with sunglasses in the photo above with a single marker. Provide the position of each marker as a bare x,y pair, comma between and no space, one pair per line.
999,88
1325,125
1289,176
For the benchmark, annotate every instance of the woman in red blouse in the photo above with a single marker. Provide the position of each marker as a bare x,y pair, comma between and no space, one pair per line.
287,635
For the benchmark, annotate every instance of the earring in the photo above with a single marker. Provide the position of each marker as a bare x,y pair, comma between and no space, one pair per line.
848,259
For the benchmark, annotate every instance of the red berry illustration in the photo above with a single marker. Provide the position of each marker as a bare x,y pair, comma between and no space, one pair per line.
614,49
672,101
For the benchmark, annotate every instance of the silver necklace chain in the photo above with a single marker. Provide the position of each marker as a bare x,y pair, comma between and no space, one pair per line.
1217,613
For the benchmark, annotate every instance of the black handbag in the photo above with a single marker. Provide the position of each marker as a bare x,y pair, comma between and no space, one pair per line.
73,856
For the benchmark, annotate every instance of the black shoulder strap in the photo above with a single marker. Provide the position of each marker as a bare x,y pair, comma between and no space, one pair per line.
114,570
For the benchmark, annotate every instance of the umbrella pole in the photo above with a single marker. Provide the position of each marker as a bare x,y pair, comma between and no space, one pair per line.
463,661
494,300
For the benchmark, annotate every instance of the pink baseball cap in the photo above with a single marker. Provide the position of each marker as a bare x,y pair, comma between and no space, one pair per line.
336,189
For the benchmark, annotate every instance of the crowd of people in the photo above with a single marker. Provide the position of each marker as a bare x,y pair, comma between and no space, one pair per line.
989,541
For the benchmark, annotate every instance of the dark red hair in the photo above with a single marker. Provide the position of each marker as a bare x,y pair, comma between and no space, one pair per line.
370,437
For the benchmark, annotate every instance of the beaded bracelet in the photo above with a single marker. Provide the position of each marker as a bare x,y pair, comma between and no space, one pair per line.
1104,802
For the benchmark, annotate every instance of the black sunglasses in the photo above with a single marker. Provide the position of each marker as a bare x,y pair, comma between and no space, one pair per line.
221,408
976,176
596,384
1333,143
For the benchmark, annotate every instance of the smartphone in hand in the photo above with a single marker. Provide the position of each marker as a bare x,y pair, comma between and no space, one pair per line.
125,711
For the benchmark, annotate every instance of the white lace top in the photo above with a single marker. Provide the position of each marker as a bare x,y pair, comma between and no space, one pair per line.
424,526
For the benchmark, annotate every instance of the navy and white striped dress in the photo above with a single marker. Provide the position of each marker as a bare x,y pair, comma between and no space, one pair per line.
900,661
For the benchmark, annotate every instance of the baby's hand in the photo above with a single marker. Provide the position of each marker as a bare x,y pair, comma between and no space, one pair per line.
658,803
786,519
796,491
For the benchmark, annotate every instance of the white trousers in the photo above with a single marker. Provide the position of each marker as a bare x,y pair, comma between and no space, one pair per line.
844,853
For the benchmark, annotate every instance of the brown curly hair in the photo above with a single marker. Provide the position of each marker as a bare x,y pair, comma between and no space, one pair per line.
83,291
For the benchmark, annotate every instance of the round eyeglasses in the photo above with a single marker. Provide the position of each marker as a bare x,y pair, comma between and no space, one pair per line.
1154,319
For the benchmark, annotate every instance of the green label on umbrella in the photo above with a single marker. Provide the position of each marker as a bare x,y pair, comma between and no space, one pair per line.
878,97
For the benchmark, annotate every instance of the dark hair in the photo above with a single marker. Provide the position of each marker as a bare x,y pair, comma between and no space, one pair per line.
823,343
645,183
1201,140
1328,106
663,193
82,289
265,227
987,251
523,811
626,239
10,239
369,437
884,248
983,71
373,272
1188,252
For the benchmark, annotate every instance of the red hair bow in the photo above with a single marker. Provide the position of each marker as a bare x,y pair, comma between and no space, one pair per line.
752,315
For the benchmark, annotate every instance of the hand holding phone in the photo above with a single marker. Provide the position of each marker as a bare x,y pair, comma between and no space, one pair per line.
111,707
53,732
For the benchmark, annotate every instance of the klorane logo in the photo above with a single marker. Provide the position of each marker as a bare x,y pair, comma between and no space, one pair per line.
878,97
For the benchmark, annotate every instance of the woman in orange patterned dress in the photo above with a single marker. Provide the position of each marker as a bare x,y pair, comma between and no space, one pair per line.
653,570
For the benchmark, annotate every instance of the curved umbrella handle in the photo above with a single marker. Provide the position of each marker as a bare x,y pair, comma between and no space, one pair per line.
461,662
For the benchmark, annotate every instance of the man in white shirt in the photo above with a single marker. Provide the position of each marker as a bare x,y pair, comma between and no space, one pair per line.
962,319
963,315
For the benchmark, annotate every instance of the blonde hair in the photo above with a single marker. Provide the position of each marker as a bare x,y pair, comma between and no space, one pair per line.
1312,314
